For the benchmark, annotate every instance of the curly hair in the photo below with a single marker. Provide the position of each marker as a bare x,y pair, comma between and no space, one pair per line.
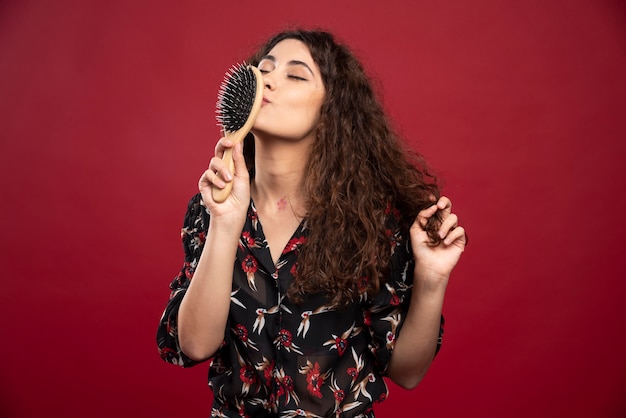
358,168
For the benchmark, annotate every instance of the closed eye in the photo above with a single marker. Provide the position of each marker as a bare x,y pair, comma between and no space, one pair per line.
295,77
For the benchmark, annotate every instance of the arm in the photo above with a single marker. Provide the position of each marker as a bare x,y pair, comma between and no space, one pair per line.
204,309
416,345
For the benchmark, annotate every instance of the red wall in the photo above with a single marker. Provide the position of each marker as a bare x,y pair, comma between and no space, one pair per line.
107,120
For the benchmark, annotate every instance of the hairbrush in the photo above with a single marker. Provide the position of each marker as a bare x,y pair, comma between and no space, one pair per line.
238,103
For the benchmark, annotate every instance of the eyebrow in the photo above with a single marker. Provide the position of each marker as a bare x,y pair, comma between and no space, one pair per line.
291,63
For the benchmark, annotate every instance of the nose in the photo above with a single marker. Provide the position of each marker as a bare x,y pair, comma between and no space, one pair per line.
268,81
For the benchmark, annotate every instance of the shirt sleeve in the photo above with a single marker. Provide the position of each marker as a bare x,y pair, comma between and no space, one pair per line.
193,235
390,306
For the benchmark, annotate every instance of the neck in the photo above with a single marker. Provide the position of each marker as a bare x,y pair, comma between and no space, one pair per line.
279,173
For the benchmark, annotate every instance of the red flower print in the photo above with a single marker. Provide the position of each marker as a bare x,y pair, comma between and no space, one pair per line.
247,374
362,284
242,332
339,395
315,381
353,372
294,244
390,210
281,390
188,270
367,318
247,240
285,387
285,338
391,338
254,218
268,372
249,264
341,345
166,352
287,383
395,300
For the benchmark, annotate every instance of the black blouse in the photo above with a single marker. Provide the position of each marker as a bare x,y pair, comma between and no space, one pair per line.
292,360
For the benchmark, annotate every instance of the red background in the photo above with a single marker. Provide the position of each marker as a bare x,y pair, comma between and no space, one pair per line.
106,122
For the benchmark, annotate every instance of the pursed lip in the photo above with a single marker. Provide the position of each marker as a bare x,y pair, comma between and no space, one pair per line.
266,100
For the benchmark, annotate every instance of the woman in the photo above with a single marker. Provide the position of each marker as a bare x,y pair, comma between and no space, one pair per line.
342,249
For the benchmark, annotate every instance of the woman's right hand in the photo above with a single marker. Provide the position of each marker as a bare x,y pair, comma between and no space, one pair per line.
235,207
203,312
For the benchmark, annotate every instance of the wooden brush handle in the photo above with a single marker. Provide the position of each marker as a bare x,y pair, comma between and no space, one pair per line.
219,195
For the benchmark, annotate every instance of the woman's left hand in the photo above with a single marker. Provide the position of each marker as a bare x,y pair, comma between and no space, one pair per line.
436,262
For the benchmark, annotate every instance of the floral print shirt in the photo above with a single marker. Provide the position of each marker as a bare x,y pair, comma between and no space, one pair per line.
281,359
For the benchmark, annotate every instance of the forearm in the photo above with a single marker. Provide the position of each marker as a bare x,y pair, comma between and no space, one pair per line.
416,345
204,309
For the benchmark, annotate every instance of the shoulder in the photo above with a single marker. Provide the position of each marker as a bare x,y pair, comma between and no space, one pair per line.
195,204
197,215
401,259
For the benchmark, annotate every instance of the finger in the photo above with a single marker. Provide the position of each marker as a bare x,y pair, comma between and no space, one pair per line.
425,214
207,178
448,224
456,236
210,178
444,204
204,180
222,145
222,171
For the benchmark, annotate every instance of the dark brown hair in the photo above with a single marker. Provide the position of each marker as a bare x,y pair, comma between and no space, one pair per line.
358,168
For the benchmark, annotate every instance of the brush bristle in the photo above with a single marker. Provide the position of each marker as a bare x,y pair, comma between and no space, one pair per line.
235,97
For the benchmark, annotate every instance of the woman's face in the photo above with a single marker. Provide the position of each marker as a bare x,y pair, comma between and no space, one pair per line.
293,95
